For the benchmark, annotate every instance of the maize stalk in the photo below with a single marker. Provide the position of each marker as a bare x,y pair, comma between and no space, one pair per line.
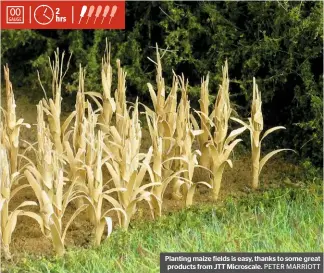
9,169
47,181
255,127
128,170
122,119
165,110
52,107
158,164
80,107
53,203
7,193
108,105
11,127
220,144
94,192
205,125
187,158
75,155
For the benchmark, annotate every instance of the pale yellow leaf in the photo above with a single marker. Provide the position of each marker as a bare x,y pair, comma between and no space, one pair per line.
269,131
269,155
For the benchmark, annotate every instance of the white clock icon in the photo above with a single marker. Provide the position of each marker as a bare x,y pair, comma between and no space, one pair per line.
43,14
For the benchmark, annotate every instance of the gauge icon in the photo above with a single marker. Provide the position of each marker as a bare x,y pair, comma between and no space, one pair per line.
43,15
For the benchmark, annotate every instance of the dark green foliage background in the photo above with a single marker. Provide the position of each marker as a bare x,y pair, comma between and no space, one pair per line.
279,43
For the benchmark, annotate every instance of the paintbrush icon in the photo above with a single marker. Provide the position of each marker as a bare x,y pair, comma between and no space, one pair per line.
98,11
83,11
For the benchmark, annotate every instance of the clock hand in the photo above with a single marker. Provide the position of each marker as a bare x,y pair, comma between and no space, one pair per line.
45,14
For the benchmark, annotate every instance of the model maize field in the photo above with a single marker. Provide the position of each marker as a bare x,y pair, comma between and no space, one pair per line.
93,162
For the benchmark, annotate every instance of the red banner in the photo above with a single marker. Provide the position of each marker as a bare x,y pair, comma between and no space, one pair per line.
62,15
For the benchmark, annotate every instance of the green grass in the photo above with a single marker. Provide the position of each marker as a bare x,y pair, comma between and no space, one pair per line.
279,220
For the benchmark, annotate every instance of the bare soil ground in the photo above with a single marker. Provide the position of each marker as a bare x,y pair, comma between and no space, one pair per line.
27,237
